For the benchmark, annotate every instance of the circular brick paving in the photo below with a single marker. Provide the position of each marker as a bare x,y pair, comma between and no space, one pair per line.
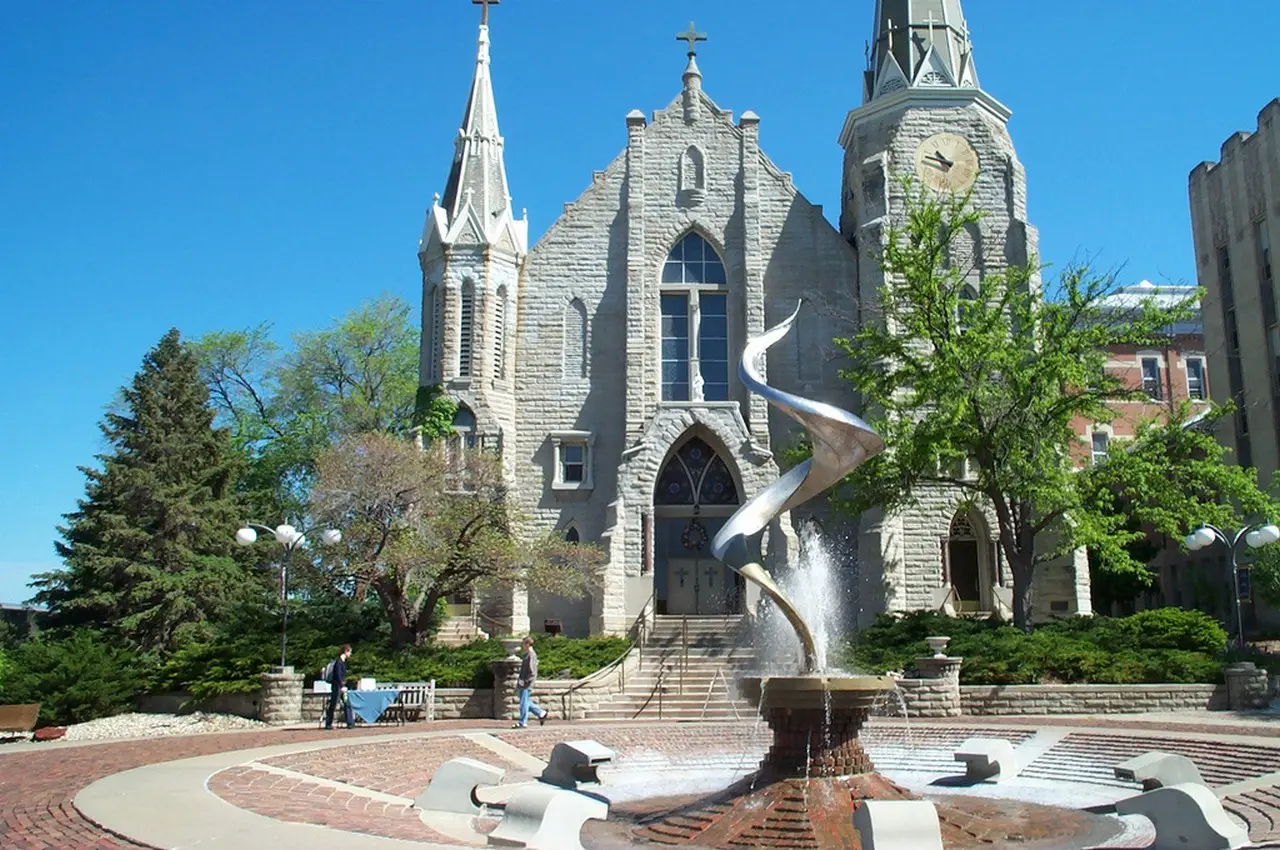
357,787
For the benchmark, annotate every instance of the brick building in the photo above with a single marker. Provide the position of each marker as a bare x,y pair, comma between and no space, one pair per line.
603,359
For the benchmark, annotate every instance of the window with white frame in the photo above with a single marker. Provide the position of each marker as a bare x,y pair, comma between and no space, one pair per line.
695,323
1151,377
572,460
1195,378
1101,445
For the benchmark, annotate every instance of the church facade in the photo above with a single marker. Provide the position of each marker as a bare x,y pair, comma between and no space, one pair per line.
603,360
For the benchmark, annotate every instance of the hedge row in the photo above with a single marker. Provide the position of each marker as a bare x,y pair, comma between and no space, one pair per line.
1165,645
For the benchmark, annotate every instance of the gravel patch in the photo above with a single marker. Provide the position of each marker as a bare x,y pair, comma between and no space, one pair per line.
158,725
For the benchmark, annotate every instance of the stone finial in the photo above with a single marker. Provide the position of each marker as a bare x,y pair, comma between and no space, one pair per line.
749,119
635,118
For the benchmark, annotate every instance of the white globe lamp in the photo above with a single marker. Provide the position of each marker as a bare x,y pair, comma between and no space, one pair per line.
1204,537
246,537
1254,539
1268,534
285,533
331,537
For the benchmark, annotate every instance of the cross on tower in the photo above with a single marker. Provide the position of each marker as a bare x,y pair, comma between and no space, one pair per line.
692,36
484,10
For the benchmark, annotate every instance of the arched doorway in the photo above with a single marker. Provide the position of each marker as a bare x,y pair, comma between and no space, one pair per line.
695,495
966,564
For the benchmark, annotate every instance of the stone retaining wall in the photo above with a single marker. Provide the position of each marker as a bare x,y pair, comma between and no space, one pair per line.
1089,699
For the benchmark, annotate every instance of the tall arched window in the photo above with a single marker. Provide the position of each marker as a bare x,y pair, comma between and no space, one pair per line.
466,328
574,341
500,334
436,306
695,323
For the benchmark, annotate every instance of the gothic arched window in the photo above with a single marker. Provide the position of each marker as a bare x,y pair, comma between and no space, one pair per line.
437,316
695,323
572,536
466,328
500,334
575,339
696,475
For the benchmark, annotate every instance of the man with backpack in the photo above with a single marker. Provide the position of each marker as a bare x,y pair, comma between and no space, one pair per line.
335,673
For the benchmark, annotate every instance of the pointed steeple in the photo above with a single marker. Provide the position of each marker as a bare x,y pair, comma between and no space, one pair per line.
476,206
919,44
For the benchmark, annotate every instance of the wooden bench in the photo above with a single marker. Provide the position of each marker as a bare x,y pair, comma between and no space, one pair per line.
415,700
19,718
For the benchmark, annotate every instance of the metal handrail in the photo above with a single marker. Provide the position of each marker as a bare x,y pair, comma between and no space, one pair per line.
684,640
727,692
636,644
656,689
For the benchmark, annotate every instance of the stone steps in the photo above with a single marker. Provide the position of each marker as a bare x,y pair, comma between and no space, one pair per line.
1259,810
1093,756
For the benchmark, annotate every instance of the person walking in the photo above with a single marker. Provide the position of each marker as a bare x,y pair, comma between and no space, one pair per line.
524,684
338,684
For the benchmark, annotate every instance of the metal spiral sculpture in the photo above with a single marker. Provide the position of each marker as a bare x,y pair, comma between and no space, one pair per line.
841,443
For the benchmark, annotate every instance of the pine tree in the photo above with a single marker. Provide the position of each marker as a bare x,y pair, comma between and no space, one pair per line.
148,555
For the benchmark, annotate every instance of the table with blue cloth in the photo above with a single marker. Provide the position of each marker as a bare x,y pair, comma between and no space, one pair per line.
370,705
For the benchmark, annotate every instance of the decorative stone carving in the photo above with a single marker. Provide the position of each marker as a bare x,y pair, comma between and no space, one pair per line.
1158,770
453,786
1186,815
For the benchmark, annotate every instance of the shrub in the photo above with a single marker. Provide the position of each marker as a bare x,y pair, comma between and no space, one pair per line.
75,678
1165,645
1174,628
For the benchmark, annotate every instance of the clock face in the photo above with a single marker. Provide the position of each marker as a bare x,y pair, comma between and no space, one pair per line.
947,162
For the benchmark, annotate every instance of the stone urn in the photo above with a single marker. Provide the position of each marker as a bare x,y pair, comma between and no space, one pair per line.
938,646
511,645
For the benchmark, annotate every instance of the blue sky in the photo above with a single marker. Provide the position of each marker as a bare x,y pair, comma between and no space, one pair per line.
212,165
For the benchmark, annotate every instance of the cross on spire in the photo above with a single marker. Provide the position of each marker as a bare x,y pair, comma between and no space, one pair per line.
692,36
484,10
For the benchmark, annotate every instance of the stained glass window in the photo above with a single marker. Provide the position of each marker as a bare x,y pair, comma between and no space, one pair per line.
694,261
696,469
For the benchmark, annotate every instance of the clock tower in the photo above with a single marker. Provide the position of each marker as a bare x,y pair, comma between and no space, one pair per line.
925,115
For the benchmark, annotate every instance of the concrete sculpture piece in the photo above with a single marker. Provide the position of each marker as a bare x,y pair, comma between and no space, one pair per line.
453,786
988,759
1186,815
841,443
543,817
1158,770
573,762
898,825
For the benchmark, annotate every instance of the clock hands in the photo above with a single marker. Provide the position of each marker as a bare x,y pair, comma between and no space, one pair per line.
940,160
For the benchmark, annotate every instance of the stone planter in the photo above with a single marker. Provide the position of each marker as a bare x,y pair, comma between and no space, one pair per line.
938,646
511,645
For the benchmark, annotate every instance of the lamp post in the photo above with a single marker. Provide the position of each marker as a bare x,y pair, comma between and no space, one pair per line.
290,538
1254,536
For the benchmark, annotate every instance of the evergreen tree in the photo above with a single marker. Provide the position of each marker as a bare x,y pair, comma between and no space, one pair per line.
148,554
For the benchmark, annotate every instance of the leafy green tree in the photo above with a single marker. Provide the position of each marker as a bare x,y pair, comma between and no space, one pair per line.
148,554
419,525
285,407
1169,480
997,380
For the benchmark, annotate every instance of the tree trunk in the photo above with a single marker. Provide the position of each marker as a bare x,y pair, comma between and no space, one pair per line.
404,631
1022,565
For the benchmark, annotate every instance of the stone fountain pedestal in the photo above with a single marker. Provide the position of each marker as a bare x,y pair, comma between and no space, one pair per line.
815,722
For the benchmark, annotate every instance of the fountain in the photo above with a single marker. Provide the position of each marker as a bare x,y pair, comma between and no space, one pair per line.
816,773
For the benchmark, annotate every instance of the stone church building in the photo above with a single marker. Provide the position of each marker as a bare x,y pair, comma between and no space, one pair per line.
603,360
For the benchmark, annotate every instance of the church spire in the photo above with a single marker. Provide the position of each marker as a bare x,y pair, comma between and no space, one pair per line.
478,177
919,44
